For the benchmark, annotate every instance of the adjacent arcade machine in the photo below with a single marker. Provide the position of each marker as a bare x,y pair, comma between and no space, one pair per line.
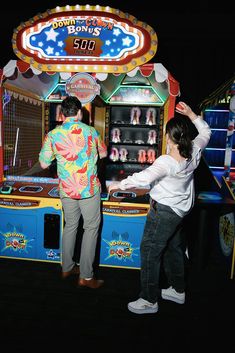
102,56
217,110
215,209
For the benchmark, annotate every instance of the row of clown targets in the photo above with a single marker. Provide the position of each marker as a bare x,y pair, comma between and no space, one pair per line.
140,156
135,116
133,137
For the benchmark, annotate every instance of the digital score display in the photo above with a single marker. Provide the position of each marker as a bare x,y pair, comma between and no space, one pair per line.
84,44
84,47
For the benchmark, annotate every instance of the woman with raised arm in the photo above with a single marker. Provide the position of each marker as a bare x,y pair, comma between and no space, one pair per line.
171,181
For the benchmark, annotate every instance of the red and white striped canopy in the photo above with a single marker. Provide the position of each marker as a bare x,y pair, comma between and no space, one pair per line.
25,76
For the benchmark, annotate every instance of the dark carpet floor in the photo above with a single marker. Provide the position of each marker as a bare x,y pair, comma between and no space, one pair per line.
41,312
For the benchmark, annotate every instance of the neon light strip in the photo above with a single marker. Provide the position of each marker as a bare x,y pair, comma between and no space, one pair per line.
16,146
215,149
219,129
217,110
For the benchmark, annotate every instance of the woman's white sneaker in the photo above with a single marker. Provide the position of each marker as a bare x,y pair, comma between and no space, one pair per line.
142,306
171,294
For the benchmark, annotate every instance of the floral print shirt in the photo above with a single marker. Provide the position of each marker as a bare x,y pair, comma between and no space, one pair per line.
76,147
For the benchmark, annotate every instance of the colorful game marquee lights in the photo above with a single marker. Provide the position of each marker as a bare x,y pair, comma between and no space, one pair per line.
85,38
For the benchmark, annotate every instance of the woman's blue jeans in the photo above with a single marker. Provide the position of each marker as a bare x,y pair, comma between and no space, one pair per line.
163,240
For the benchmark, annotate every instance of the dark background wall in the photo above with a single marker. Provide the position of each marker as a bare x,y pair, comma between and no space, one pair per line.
196,38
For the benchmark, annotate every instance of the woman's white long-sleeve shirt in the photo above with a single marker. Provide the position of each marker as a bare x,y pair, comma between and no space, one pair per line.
172,182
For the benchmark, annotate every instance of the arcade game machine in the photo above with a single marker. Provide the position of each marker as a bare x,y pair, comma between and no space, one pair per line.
30,209
217,111
215,206
64,51
138,108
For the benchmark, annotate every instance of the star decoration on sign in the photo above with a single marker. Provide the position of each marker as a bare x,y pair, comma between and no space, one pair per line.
51,35
126,41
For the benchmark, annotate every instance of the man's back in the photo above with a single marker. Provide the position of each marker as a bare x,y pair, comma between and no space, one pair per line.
76,147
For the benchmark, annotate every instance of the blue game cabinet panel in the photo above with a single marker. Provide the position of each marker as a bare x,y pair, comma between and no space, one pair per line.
233,160
214,158
217,118
120,241
218,139
18,235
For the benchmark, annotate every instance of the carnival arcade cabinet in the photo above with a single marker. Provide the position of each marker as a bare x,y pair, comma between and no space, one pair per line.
128,102
138,105
30,209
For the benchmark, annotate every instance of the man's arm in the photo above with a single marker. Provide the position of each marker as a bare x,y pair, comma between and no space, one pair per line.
43,165
46,155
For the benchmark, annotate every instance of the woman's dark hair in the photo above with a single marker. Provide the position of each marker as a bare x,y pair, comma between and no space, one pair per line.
178,130
70,106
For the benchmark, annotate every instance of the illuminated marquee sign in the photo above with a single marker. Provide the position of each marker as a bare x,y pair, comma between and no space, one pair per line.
85,38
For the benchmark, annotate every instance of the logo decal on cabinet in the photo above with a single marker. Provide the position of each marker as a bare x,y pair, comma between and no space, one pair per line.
15,240
120,248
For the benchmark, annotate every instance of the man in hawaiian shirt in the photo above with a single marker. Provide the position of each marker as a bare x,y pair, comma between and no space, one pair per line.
77,148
